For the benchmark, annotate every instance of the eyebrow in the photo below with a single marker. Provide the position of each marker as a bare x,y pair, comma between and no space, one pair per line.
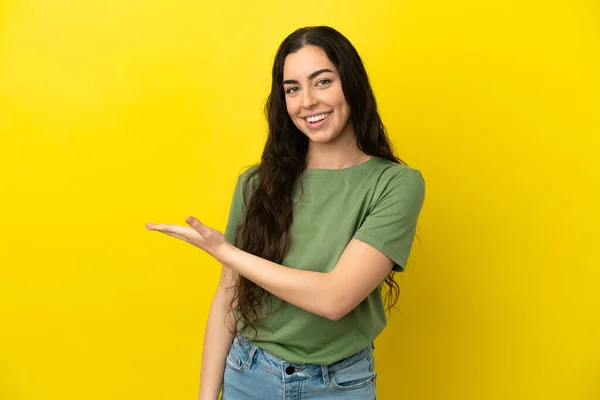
310,77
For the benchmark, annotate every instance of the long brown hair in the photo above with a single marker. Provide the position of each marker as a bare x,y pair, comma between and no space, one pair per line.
264,230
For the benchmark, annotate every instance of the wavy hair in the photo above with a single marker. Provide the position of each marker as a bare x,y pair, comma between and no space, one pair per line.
268,191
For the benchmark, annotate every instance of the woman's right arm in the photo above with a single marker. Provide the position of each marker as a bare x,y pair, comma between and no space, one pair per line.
217,338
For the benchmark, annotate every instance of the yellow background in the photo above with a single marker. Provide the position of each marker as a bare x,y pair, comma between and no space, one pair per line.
116,113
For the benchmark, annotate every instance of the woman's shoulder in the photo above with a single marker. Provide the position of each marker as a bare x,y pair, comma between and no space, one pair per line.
400,184
393,171
247,172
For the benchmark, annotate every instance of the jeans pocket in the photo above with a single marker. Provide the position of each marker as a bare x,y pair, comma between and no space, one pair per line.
355,376
238,356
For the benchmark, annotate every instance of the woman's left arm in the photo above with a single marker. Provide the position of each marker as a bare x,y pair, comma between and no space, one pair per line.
359,271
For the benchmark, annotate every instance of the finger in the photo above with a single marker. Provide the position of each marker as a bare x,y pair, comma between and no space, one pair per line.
159,227
180,230
176,236
195,223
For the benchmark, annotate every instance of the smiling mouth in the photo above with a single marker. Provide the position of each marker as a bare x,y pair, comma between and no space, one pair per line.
317,118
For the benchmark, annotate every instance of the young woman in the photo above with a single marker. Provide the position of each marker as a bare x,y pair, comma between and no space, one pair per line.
314,232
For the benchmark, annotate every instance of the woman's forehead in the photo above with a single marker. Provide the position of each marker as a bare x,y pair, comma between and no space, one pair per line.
305,61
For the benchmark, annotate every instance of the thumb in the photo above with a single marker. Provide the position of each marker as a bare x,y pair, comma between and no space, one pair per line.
194,223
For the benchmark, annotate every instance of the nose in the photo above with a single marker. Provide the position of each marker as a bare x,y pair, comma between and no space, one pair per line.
308,99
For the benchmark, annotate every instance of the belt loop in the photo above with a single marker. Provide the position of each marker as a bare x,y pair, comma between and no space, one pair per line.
325,372
250,356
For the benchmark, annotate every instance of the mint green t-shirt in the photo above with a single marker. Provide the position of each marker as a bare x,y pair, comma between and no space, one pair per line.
377,202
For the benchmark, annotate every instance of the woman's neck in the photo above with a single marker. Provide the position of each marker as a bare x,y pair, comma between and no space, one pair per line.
330,156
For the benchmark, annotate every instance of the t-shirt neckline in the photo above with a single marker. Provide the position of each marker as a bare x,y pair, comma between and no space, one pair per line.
341,172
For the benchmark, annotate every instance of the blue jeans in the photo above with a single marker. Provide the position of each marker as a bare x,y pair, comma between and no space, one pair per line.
252,373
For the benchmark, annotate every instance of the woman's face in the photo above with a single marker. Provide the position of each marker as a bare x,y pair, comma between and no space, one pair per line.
314,97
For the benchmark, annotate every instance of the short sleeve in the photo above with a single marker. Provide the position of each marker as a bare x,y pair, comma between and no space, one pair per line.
235,212
390,226
237,208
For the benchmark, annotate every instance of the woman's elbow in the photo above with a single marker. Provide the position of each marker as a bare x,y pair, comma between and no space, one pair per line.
334,302
335,310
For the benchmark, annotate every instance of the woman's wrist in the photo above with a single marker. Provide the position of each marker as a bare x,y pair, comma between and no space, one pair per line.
225,254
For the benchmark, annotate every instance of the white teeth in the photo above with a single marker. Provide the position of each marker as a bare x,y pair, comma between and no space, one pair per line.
317,117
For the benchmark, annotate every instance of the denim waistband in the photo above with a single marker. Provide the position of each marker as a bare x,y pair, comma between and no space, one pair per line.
281,367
